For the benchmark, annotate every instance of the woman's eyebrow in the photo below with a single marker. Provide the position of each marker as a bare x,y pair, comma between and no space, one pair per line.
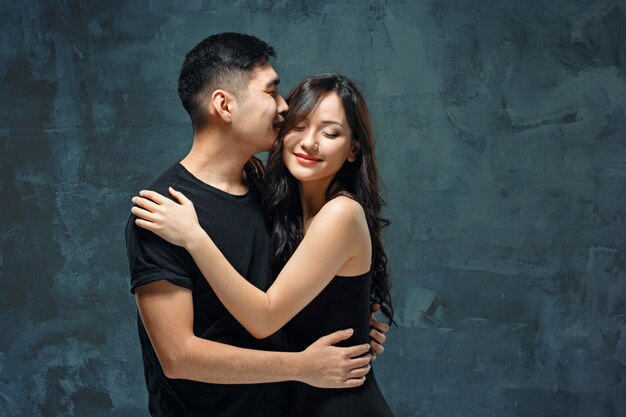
331,122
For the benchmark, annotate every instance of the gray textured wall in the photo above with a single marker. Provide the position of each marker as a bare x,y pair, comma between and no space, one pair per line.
502,145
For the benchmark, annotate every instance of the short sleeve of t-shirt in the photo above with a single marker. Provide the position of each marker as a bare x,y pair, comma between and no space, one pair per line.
152,258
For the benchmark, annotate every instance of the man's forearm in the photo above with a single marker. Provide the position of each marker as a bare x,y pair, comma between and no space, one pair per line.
166,311
211,362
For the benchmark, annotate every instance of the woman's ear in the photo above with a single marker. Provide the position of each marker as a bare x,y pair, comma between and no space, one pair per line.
354,150
222,105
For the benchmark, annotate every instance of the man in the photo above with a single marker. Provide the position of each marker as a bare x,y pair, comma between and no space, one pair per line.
198,359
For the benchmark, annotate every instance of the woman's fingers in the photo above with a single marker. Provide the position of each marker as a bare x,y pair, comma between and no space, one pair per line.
180,197
144,224
143,214
145,203
154,196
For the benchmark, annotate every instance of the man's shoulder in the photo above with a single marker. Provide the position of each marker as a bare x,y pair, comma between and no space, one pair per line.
168,178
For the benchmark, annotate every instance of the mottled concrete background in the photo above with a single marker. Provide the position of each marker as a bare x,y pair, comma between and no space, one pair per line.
502,141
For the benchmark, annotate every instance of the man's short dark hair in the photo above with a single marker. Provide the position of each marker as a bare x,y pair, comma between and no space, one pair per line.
223,61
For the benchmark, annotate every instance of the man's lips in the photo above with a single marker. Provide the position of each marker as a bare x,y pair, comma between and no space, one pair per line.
306,159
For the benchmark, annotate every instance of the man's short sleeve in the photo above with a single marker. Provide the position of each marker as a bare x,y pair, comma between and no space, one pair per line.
152,259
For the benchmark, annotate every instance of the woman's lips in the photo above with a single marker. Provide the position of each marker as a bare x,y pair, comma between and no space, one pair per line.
305,159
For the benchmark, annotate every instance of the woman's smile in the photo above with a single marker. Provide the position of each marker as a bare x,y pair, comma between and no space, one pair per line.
321,143
306,159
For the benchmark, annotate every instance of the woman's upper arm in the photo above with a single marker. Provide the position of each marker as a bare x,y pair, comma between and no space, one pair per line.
333,237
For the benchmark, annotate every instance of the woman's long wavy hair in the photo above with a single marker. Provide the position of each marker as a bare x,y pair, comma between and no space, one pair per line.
359,179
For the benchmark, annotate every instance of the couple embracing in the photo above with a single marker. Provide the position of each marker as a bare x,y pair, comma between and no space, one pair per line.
254,285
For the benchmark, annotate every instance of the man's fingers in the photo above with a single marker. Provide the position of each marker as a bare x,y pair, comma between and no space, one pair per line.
374,307
376,348
358,350
154,196
143,214
145,203
377,336
359,372
379,325
336,337
360,362
354,382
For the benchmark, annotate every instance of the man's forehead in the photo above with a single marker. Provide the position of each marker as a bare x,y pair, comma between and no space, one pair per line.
266,75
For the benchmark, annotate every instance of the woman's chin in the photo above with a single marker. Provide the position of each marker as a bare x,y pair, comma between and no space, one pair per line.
302,176
299,177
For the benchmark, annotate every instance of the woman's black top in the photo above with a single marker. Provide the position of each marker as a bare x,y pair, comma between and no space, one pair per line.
343,304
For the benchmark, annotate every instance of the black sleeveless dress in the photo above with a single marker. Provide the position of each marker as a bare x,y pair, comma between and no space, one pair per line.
343,304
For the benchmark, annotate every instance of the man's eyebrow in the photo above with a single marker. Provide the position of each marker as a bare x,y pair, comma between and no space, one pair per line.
273,83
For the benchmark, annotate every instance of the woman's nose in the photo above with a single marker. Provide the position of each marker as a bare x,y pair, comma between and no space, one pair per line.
309,141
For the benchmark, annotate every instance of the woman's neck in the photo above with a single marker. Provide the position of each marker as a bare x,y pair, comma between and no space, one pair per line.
312,198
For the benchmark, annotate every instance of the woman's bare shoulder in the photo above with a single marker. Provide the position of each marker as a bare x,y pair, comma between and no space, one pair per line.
343,208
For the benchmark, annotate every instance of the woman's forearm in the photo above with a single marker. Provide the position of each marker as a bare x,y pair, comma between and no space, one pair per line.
332,239
248,304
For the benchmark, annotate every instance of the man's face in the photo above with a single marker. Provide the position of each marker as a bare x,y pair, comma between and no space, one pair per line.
258,118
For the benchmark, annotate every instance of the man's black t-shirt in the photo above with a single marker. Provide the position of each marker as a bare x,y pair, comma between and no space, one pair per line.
235,223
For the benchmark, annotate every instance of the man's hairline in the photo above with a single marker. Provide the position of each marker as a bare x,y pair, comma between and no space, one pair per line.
241,95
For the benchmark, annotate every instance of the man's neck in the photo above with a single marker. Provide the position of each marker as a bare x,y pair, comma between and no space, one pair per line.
218,161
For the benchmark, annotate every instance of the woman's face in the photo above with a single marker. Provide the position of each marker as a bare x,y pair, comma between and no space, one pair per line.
316,149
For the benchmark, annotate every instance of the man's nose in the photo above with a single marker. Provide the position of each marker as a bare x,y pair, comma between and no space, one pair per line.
282,104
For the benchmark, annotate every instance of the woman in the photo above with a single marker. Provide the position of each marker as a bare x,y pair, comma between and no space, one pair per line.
323,208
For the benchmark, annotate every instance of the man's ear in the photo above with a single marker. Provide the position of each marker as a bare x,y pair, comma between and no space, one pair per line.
222,105
354,150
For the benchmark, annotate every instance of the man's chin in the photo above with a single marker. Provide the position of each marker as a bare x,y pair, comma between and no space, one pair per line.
272,146
266,149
